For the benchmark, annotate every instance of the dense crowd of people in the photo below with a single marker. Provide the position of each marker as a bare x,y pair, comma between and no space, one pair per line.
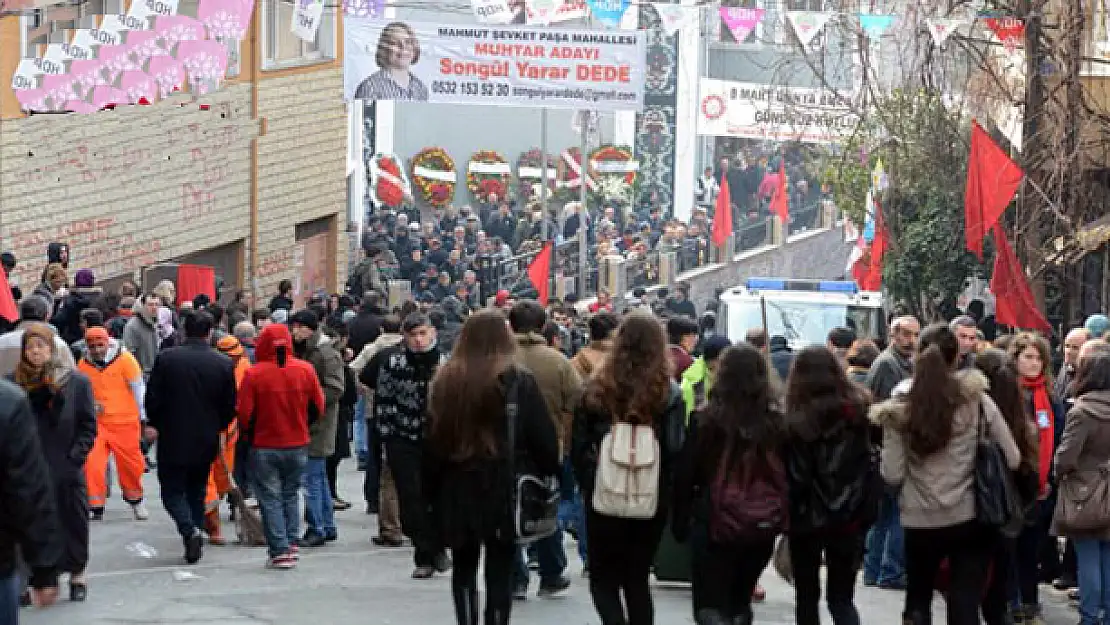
469,254
940,462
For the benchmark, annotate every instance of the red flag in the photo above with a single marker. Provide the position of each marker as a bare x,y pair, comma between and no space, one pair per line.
8,309
539,272
722,215
780,201
992,180
868,270
1013,300
194,280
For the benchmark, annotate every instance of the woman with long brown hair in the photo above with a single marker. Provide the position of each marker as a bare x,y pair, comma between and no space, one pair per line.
734,446
468,469
633,388
930,439
1005,390
62,402
832,476
1045,416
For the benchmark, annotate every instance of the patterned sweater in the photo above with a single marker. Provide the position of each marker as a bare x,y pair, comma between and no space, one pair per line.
400,380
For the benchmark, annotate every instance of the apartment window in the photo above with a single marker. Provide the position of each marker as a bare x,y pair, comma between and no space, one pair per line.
284,49
754,37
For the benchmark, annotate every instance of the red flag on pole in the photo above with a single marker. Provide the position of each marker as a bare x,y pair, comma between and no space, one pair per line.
780,201
1013,300
539,272
722,215
992,180
868,270
8,308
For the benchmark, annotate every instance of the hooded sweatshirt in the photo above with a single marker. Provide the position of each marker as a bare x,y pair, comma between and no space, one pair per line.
939,490
276,401
140,337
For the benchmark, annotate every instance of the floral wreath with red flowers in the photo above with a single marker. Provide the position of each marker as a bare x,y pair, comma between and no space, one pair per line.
388,180
529,172
616,161
433,171
488,173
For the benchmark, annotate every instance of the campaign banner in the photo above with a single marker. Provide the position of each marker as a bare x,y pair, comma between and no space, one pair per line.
495,66
772,112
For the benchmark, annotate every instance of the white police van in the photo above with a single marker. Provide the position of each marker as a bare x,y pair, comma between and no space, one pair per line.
802,311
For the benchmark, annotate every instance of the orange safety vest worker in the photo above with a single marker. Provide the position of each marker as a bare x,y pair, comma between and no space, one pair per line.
219,478
117,386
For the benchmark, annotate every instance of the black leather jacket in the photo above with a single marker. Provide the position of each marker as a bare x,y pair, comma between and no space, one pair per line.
831,468
29,520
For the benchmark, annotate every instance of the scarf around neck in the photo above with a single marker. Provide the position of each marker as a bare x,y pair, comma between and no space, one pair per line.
1045,422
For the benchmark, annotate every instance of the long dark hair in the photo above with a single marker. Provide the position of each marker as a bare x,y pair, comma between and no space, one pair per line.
742,412
935,395
634,382
1005,390
818,393
467,400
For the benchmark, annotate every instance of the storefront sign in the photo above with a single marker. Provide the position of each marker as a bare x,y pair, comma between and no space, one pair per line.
496,66
756,111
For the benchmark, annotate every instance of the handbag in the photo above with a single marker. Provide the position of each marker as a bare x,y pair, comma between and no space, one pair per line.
535,498
1083,501
996,499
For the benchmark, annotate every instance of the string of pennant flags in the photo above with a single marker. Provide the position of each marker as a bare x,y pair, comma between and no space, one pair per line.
152,52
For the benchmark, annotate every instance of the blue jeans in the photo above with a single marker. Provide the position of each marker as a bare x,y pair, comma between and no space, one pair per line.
1093,558
885,562
572,511
277,475
319,509
362,449
9,599
552,557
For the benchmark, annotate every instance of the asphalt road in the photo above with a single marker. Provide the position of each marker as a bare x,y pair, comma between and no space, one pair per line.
137,576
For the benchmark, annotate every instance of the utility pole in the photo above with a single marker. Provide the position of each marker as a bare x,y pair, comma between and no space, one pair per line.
583,244
1032,11
543,177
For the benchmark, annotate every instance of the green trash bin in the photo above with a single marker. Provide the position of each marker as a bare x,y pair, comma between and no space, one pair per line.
673,560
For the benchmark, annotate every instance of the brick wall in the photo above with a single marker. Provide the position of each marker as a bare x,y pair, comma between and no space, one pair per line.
303,169
139,185
126,188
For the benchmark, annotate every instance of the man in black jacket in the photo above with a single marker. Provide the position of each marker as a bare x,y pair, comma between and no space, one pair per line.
28,505
190,400
400,378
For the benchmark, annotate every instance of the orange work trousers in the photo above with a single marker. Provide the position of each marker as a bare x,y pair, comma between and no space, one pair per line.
122,441
219,478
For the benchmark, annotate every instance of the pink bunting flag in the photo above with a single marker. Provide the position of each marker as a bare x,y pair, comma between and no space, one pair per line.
741,21
59,90
205,63
144,45
168,73
225,19
173,29
138,86
32,100
104,96
116,60
86,75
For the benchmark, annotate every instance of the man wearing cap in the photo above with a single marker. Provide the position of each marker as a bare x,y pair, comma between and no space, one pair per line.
117,385
219,480
311,345
85,294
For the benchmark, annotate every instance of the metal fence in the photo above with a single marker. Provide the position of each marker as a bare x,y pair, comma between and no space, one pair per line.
753,233
805,218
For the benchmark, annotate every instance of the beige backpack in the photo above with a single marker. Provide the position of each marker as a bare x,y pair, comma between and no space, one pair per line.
627,480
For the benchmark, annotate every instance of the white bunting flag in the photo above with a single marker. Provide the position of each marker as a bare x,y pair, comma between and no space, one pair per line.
146,9
808,24
941,28
492,11
307,18
672,17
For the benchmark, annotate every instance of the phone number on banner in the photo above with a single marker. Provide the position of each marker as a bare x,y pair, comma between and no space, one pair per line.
539,94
